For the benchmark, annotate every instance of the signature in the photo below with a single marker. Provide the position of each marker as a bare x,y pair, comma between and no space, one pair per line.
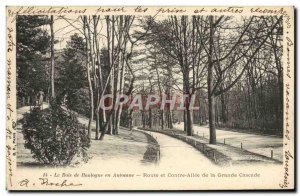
47,182
288,156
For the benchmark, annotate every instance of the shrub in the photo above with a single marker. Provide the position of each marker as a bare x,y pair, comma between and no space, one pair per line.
54,136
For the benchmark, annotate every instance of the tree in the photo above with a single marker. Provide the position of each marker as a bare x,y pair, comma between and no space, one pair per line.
71,82
224,62
32,47
52,57
176,38
88,62
107,77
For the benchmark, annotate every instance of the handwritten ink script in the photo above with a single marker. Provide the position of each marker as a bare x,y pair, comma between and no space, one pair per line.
32,10
288,105
47,182
288,156
11,124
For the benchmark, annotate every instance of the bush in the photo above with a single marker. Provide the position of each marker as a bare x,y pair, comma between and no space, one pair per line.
54,136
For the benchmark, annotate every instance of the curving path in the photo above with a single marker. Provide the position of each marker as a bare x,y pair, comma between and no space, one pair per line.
177,154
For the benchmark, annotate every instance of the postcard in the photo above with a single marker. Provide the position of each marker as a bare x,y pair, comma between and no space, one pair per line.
150,98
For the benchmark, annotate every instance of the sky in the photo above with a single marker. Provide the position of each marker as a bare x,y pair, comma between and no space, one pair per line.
64,27
63,30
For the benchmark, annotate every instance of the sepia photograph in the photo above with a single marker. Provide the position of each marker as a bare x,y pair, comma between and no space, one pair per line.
150,98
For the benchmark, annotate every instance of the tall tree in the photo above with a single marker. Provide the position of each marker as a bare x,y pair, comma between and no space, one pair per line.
88,62
32,63
176,38
52,57
71,83
224,62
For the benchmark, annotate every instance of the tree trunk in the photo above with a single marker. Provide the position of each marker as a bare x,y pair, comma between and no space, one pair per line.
171,120
89,80
97,126
184,121
223,108
130,120
150,118
143,119
110,126
189,122
52,58
162,115
121,90
216,111
211,116
168,119
211,98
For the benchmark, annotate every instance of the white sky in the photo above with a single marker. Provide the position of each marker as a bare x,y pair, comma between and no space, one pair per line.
64,28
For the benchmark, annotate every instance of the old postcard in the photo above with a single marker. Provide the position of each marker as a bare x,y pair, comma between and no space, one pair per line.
150,98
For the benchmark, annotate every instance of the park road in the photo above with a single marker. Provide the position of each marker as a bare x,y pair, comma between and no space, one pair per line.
176,154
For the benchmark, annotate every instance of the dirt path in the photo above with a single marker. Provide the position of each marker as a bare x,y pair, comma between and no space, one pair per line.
259,144
176,154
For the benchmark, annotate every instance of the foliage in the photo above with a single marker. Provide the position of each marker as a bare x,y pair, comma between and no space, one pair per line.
235,64
79,101
54,136
33,43
71,80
